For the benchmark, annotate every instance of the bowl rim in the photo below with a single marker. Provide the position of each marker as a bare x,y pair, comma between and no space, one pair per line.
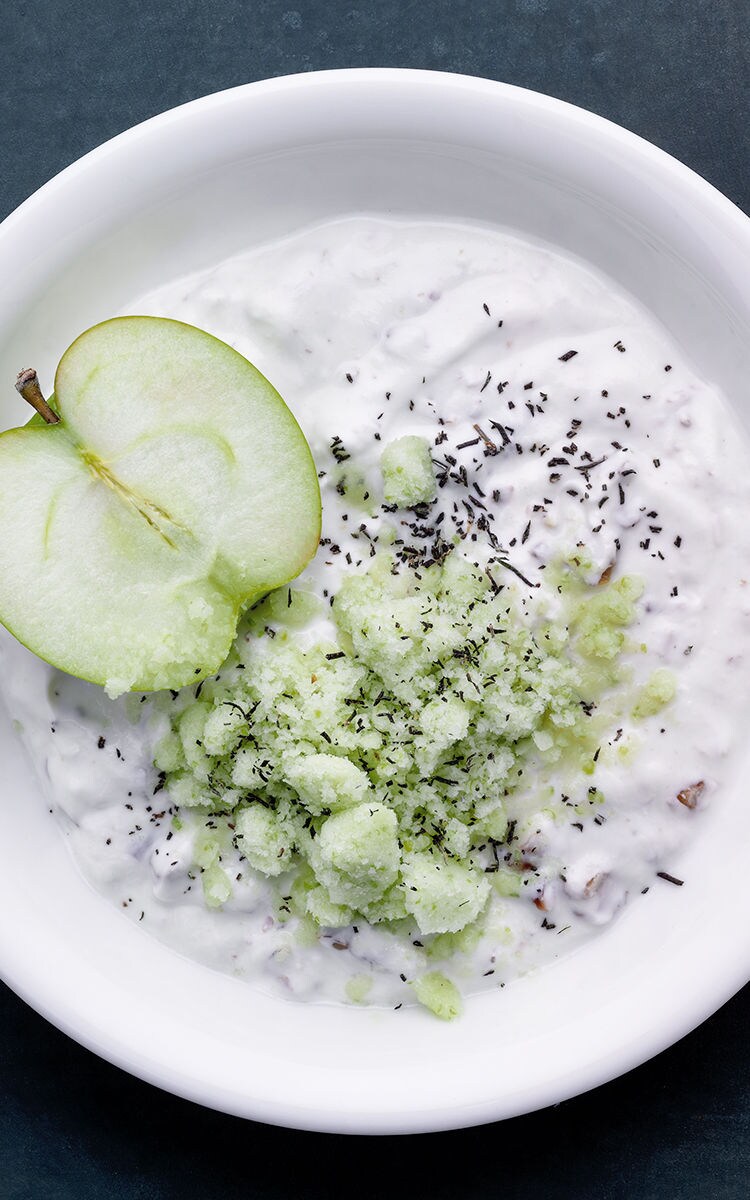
528,97
715,991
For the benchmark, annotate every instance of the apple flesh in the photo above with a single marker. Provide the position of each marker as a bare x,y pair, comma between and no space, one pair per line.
174,491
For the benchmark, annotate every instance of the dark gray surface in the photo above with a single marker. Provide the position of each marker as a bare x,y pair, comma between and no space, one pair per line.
73,74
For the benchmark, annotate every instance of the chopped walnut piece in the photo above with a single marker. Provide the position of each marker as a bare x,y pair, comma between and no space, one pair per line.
593,884
689,796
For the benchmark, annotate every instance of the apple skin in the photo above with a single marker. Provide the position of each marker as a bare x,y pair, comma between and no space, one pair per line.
176,490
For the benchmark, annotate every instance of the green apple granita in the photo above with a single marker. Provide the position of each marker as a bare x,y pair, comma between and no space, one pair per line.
385,776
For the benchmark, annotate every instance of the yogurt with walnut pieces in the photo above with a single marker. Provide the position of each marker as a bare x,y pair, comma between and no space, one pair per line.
573,449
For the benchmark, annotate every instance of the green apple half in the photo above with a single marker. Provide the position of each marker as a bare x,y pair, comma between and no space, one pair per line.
175,490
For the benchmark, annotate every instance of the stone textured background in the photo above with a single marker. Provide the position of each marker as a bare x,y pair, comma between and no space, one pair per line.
72,74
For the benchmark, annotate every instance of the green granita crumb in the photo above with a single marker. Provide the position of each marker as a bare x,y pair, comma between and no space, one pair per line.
442,895
408,474
352,483
289,606
655,694
445,945
506,882
206,849
375,776
358,988
168,755
356,856
261,837
322,909
217,888
437,993
306,932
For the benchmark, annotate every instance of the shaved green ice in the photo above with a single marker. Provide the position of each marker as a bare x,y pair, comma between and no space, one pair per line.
262,839
327,783
358,988
437,993
387,776
408,475
443,895
656,693
357,855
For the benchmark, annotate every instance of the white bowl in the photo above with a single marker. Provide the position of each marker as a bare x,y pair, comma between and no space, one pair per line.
181,192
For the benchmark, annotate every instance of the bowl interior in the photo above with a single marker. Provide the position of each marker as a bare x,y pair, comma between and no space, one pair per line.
185,191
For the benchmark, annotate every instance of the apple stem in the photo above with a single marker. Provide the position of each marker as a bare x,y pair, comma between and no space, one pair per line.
27,384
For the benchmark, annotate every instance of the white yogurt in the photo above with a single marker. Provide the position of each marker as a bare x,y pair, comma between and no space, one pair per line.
473,339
